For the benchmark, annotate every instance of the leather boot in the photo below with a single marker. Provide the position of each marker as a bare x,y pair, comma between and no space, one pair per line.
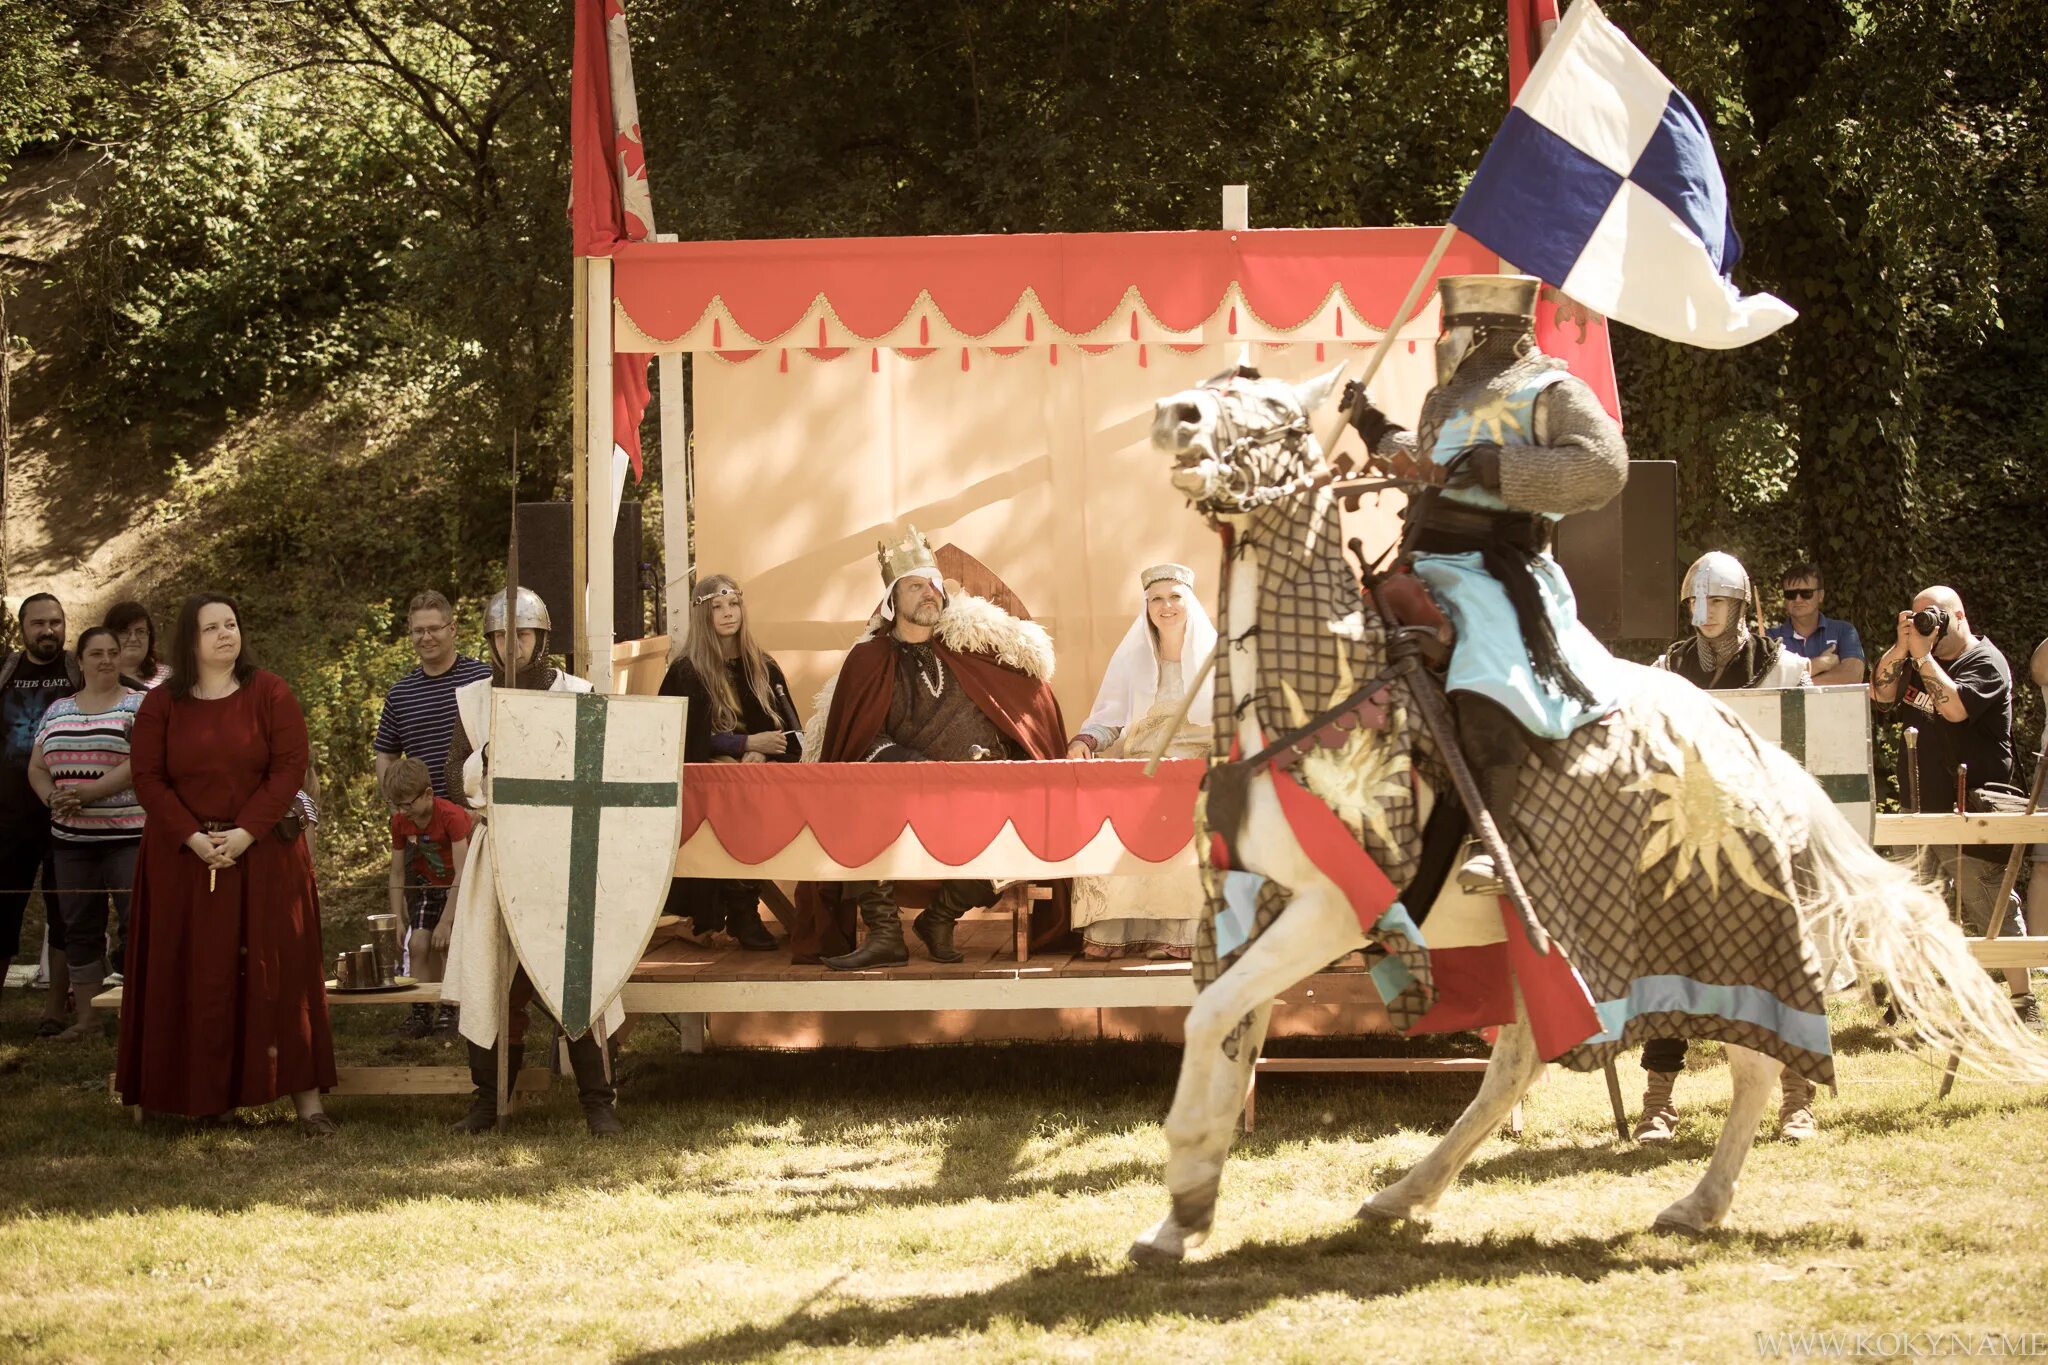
1498,785
483,1104
1660,1112
1795,1112
594,1087
884,947
935,927
743,922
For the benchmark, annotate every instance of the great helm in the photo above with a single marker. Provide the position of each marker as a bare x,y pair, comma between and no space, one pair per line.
532,613
1476,304
1714,574
1488,300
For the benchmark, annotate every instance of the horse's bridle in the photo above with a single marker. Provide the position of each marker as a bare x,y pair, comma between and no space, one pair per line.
1239,444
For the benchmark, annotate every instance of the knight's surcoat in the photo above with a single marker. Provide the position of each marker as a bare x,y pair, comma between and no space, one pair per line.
1569,459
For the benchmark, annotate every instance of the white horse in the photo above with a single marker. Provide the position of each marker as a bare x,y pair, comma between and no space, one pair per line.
1720,824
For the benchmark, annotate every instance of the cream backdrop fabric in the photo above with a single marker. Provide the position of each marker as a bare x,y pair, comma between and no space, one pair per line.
1042,470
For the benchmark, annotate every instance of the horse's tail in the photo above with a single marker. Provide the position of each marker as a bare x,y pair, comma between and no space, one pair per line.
1862,908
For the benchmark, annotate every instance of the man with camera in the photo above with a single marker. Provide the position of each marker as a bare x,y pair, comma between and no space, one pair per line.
1959,691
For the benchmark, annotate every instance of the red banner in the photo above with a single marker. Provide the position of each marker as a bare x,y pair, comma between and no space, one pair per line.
601,158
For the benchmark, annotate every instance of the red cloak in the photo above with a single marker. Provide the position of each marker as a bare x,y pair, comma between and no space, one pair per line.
1021,706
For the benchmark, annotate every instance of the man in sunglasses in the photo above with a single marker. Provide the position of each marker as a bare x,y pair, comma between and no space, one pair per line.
1833,649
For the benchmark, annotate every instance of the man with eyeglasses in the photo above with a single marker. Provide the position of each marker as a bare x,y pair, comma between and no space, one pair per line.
419,711
1833,649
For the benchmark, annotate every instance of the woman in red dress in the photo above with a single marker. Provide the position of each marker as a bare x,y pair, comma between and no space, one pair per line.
225,997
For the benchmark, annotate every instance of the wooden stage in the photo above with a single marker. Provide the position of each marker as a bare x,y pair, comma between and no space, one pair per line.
763,1000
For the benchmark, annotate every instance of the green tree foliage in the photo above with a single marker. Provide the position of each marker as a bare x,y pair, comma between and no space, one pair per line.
336,228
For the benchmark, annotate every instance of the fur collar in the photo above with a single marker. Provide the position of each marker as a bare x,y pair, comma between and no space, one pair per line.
971,625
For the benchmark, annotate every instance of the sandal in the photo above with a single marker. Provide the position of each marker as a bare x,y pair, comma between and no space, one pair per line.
319,1127
50,1028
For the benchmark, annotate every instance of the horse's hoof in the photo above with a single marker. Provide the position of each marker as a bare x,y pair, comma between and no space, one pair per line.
1166,1244
1150,1253
1681,1220
1378,1210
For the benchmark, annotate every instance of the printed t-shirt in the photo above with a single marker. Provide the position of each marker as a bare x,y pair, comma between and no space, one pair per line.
430,852
33,689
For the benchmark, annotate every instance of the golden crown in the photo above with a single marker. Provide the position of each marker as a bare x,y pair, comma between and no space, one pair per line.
906,555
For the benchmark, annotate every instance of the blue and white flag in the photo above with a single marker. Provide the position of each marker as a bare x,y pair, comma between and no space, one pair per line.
1602,182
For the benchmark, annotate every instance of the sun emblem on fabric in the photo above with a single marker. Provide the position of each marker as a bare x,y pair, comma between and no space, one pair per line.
1362,778
1496,419
1696,820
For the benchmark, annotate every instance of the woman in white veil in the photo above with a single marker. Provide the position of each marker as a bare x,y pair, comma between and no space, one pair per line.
1139,696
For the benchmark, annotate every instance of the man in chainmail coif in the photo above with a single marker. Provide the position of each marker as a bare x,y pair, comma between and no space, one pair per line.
1721,651
1510,442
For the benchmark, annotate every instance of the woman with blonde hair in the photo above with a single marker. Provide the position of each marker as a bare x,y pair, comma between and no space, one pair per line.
740,712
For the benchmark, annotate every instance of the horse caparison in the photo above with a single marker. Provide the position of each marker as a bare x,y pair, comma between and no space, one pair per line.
1667,831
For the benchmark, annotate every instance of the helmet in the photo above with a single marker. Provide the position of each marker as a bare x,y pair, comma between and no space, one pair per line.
532,614
1714,574
1474,303
1488,300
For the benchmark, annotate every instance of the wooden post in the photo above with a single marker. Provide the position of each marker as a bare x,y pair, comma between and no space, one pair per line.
1614,1099
594,626
1237,212
579,379
678,551
505,1065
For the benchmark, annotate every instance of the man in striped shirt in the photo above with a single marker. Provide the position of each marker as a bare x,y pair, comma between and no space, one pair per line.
419,711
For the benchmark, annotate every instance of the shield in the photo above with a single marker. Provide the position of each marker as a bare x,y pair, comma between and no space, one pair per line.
585,815
1827,729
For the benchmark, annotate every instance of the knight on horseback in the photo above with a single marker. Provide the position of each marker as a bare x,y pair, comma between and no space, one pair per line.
1510,442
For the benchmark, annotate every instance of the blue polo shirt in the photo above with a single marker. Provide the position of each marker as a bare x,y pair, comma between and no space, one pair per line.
1827,631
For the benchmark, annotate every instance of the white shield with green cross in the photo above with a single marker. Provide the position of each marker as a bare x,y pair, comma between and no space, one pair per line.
1827,729
585,813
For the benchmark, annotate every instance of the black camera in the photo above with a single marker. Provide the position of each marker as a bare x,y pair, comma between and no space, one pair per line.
1931,622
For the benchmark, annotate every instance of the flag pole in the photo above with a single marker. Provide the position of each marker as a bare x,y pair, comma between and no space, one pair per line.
1402,314
1328,439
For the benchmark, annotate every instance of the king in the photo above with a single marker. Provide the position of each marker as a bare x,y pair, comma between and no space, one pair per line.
938,677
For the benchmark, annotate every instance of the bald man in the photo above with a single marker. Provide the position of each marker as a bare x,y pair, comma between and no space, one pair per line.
1955,686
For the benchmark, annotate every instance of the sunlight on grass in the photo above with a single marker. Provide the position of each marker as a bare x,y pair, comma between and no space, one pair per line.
976,1203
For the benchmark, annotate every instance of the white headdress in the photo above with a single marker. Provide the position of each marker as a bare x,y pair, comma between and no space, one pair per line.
1131,683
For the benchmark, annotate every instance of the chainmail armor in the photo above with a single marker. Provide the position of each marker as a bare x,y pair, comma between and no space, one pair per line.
1583,462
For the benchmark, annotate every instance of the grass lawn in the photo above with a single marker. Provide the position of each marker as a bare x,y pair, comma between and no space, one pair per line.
975,1203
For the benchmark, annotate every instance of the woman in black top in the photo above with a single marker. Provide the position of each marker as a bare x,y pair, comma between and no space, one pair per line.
740,712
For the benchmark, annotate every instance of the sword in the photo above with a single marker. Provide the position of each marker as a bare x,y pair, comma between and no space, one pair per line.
1405,662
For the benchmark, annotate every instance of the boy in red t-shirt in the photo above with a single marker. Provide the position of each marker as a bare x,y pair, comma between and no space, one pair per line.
429,843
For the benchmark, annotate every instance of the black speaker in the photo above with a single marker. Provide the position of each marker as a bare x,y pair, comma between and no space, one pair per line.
546,556
1622,559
